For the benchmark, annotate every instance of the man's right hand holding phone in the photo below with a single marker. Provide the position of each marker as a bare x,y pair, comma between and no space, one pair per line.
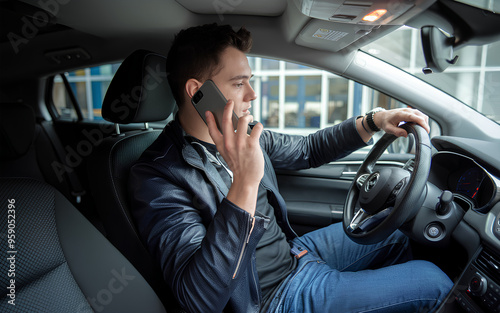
242,153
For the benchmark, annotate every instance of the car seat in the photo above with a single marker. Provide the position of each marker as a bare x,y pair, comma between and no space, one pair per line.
138,93
25,149
31,148
54,260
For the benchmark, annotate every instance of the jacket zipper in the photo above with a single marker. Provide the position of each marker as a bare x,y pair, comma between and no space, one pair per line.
238,264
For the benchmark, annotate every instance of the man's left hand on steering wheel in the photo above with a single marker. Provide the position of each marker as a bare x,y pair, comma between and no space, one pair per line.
389,120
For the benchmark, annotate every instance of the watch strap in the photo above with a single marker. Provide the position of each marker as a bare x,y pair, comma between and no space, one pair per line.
370,122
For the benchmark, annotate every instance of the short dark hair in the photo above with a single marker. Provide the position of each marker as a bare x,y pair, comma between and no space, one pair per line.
195,53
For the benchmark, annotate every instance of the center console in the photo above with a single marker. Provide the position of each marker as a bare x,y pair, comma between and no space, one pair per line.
478,290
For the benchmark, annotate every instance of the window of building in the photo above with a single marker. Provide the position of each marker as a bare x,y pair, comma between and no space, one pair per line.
493,57
269,101
338,100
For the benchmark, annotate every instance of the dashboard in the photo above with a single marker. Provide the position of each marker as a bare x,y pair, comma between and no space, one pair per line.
469,183
472,186
477,191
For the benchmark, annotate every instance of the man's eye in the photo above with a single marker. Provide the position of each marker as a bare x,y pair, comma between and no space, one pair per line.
239,85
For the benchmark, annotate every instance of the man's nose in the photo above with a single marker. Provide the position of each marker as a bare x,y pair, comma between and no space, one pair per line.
251,95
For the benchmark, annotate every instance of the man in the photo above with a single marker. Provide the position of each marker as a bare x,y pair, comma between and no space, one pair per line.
208,207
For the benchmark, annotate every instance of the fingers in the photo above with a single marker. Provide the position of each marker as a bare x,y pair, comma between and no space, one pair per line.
243,124
396,131
395,117
226,125
256,131
419,118
422,120
240,151
212,128
227,118
229,139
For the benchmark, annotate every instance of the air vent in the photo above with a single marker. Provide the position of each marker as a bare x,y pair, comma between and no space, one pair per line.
489,263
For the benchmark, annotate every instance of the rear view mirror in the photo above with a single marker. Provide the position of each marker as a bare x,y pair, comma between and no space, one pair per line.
438,49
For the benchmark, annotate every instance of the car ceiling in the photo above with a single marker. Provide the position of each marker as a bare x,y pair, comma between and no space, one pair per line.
107,31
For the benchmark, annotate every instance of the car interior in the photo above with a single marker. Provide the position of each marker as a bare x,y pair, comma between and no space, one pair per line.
84,91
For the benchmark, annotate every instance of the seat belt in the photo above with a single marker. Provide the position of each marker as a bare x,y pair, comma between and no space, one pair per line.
76,187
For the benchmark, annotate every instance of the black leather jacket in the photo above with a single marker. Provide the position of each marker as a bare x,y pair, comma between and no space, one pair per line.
199,237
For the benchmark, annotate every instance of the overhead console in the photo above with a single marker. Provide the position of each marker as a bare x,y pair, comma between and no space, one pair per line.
371,12
338,23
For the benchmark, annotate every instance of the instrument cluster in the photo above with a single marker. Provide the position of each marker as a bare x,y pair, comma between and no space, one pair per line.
465,178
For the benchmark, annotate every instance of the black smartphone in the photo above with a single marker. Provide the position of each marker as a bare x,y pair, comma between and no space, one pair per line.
209,98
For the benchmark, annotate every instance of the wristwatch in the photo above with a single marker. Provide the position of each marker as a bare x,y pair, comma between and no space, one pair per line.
369,119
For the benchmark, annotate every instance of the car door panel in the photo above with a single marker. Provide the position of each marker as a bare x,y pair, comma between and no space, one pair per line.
315,197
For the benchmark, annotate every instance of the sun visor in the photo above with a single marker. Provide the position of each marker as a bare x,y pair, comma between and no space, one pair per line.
374,12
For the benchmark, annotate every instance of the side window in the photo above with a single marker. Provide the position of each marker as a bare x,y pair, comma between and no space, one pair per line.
86,87
297,99
292,98
61,98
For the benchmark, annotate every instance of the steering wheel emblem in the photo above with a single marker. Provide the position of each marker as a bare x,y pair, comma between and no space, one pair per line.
371,182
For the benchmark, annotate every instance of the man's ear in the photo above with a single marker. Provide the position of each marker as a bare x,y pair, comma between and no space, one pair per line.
192,86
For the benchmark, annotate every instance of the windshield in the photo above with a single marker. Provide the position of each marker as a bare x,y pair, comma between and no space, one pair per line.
490,5
474,79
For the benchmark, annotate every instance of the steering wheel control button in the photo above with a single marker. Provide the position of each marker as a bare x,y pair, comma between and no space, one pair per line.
395,192
434,232
399,185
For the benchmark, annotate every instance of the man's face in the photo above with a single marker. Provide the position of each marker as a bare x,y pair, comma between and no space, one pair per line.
233,80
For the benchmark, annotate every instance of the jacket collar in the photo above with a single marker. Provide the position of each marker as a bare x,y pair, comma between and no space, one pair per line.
197,156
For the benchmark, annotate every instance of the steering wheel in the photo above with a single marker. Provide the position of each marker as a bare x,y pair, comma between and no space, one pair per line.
379,202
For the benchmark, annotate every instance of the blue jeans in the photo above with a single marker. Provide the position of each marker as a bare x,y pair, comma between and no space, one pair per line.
338,275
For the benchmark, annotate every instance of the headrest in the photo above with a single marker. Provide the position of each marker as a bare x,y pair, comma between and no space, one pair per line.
17,130
139,91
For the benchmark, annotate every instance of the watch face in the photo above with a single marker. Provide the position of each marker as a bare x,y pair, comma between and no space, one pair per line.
376,110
